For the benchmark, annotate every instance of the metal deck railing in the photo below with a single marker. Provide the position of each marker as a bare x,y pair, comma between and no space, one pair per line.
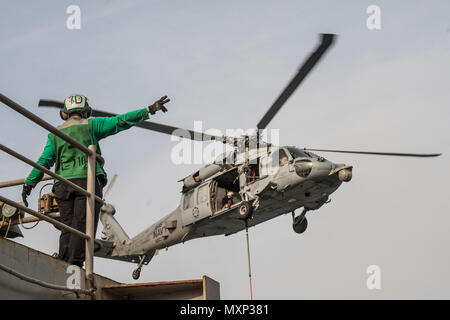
92,156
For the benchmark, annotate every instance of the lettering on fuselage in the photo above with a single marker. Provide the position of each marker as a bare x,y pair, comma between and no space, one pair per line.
158,231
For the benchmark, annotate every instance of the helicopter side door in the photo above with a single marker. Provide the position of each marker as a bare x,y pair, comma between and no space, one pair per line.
196,204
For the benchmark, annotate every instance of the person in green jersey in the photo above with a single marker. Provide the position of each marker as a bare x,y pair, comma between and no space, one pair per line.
71,164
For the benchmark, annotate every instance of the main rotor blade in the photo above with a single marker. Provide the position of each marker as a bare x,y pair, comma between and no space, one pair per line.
51,103
326,41
422,155
184,133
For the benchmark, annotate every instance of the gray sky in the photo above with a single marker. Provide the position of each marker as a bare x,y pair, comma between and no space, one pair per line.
224,62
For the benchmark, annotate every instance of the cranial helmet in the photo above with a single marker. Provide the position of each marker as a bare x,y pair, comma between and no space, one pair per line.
75,103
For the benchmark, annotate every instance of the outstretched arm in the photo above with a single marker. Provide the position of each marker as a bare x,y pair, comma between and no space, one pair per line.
107,126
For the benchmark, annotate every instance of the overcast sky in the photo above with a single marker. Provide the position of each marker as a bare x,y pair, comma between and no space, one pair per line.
225,62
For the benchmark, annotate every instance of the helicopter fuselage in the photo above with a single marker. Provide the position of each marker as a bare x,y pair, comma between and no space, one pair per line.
273,186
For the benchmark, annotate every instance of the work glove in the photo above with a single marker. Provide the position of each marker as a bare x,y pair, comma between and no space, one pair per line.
158,105
25,193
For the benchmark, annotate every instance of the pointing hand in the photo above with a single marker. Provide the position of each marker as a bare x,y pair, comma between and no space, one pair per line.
158,105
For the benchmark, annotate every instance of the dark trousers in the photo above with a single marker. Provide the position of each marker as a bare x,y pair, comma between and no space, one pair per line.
72,209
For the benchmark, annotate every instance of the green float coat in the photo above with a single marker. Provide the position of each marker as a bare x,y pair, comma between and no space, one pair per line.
70,162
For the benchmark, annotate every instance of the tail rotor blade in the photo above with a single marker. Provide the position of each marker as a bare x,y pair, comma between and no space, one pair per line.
110,186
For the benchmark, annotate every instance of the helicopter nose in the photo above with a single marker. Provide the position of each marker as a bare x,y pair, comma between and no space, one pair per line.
343,172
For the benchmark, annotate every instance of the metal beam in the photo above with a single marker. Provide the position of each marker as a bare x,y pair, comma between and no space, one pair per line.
17,182
90,217
50,173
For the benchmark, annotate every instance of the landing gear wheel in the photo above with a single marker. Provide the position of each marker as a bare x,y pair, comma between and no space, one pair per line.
136,273
300,224
245,210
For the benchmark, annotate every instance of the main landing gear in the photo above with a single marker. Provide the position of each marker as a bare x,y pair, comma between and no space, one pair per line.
245,211
299,223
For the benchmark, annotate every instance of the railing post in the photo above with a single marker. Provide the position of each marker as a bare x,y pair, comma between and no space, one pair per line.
90,217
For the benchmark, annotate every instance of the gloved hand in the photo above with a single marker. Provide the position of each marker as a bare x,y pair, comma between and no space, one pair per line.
26,192
158,105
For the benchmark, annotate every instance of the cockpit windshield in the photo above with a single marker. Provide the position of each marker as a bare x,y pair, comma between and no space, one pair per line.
297,153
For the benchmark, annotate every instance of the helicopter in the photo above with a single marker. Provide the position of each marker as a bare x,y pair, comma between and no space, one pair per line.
254,183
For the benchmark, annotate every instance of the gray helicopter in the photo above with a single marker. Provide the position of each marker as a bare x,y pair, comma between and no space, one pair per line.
254,183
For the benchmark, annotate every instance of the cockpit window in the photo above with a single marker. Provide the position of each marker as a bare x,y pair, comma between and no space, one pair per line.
271,163
279,158
297,153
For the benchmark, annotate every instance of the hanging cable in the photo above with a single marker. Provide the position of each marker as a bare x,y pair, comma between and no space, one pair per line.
249,265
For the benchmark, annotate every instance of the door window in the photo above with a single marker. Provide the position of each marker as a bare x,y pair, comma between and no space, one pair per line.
202,193
188,200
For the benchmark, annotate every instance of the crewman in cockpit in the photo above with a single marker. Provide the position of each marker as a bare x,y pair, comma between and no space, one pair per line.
283,160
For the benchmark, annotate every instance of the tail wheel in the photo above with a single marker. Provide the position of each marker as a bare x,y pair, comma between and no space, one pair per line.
245,210
136,273
300,224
